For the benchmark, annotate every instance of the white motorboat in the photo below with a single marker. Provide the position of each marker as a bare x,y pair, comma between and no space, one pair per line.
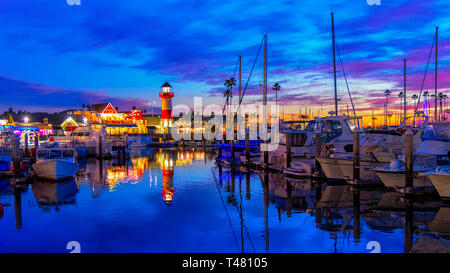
300,169
393,176
55,163
335,132
377,148
440,177
90,136
436,140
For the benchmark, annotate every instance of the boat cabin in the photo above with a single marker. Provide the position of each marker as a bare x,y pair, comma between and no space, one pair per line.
55,153
335,126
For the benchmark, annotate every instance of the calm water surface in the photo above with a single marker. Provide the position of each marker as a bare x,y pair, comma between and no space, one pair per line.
180,201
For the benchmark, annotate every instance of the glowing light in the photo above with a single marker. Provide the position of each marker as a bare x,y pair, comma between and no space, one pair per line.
26,119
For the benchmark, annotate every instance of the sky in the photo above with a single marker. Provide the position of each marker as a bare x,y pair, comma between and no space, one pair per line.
55,56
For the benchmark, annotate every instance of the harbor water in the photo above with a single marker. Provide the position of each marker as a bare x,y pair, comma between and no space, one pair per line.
182,201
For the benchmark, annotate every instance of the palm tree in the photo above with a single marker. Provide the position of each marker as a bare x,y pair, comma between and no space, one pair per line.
389,115
414,97
226,94
441,97
84,106
425,95
400,95
276,87
229,84
387,93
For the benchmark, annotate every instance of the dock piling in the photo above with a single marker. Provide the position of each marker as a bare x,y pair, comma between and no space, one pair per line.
409,166
232,150
26,145
16,156
356,156
288,149
247,146
100,148
318,151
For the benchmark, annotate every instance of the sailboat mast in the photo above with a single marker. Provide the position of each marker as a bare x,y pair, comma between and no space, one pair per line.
404,88
436,77
266,153
334,66
265,72
240,78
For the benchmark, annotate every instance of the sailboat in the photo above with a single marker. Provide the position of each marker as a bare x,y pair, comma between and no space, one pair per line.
433,150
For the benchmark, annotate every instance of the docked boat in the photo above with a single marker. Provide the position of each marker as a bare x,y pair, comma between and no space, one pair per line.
140,141
55,163
335,133
239,149
300,169
393,176
432,152
436,140
378,147
5,160
90,136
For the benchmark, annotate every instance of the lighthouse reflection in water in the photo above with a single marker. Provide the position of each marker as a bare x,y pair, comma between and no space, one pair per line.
175,200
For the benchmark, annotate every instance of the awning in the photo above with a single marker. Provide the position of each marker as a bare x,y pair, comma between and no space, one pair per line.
122,125
26,128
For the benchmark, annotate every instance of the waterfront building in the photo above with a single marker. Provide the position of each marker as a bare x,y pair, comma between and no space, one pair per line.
115,122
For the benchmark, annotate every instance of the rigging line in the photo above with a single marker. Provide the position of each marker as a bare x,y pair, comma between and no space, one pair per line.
346,82
424,77
235,68
245,226
282,73
224,206
243,223
251,72
226,102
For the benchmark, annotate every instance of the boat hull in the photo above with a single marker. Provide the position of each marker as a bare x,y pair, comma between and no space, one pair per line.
55,169
441,183
396,180
342,169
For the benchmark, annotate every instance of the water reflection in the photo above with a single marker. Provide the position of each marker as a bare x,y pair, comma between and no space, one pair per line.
211,208
50,193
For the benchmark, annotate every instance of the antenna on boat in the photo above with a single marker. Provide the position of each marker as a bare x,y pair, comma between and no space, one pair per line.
334,65
404,89
436,77
425,75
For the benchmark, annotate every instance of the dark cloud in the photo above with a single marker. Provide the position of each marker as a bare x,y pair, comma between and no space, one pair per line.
28,96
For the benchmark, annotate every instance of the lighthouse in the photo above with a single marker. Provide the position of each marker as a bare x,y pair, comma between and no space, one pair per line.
166,107
167,163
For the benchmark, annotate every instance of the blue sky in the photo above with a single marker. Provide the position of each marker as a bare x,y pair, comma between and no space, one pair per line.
55,56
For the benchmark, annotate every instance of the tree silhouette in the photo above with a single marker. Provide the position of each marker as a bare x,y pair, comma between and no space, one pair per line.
276,87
